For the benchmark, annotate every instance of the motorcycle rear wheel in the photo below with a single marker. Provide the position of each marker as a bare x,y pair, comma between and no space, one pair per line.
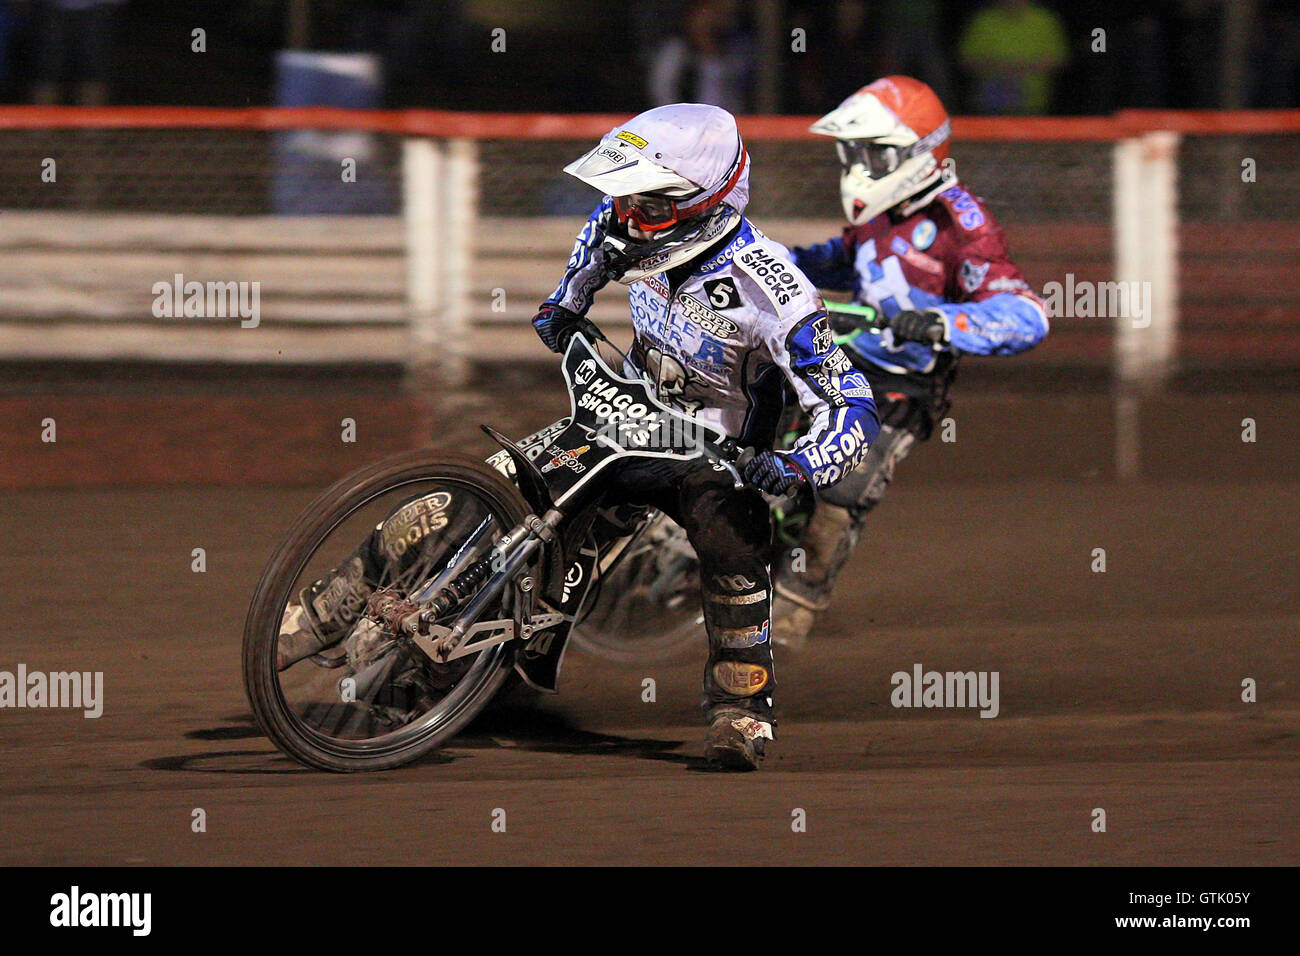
645,606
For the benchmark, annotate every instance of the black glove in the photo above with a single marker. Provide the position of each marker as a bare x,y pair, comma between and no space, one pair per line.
929,327
773,472
556,325
852,317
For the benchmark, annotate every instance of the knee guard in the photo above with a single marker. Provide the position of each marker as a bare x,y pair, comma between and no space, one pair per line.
806,574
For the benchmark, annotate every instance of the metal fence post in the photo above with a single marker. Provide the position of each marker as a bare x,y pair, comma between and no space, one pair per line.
1145,219
421,201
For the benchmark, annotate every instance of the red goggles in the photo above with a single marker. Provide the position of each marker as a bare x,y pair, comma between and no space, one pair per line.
650,212
653,212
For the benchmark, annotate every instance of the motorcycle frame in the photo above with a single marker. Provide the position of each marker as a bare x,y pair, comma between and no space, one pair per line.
561,500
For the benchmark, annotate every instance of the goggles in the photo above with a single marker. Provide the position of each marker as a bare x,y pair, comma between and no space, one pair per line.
653,212
649,211
878,160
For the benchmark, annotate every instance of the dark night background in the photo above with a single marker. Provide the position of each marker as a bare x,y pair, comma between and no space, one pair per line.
593,56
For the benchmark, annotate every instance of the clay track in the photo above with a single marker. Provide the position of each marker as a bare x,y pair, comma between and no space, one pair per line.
1118,690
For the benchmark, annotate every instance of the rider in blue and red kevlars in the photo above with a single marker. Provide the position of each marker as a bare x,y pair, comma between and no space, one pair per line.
930,257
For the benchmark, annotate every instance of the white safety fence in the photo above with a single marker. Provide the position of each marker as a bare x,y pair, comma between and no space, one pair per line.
480,229
79,285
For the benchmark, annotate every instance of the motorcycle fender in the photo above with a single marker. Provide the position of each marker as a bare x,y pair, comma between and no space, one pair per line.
529,480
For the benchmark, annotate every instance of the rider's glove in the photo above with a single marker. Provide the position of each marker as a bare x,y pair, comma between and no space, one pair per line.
555,325
847,319
773,472
929,327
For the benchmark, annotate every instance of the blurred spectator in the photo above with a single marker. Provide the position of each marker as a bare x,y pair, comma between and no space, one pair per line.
74,44
1012,50
711,61
852,41
912,43
1276,59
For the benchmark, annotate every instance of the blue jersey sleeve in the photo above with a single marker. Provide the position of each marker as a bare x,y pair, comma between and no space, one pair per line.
1003,324
586,273
844,417
827,265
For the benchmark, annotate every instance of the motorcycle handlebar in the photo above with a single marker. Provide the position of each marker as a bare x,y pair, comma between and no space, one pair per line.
852,316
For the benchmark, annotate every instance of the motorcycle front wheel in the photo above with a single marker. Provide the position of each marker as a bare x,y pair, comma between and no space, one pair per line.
366,700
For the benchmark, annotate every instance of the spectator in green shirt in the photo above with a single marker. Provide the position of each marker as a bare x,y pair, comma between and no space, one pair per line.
1012,50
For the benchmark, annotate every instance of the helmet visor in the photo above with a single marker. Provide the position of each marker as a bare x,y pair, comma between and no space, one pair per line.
649,211
876,161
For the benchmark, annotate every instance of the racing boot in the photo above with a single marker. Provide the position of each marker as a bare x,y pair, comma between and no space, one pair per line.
804,576
736,738
739,678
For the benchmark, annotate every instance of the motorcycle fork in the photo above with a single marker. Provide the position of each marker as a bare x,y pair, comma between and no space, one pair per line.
508,555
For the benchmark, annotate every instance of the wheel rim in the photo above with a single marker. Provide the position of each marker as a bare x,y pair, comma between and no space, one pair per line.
310,709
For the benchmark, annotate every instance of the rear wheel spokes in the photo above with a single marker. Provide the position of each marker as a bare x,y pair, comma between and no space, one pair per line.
647,605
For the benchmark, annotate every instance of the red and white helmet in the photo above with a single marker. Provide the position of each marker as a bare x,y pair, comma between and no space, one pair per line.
892,140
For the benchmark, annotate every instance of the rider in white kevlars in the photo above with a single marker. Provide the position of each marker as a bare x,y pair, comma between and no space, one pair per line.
724,326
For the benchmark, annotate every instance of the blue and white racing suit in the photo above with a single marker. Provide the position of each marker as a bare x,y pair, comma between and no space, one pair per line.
725,336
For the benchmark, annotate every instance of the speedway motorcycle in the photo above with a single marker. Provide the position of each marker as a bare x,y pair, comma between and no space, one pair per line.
479,582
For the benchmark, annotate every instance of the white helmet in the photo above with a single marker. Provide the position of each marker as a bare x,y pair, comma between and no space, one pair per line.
892,142
679,178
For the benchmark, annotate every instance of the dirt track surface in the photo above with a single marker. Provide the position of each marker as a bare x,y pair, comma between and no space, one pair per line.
1119,690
